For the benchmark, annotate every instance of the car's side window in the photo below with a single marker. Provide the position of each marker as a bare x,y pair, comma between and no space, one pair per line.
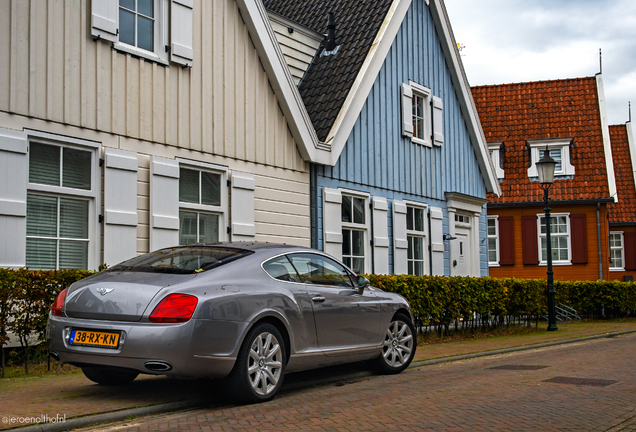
320,270
280,268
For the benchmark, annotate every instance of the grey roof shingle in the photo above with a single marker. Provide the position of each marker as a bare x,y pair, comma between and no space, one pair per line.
329,79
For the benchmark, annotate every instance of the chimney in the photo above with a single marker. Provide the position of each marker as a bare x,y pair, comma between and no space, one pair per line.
331,33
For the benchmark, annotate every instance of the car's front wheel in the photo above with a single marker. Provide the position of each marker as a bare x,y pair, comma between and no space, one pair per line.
399,345
260,366
109,376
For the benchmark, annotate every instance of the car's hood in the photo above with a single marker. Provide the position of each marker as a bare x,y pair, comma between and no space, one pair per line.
117,296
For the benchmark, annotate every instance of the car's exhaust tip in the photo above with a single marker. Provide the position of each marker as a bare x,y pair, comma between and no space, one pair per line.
158,366
55,356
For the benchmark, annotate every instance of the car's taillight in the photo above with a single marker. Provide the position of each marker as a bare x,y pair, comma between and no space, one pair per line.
56,309
175,308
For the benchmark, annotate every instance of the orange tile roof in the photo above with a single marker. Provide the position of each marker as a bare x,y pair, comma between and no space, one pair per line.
514,113
625,209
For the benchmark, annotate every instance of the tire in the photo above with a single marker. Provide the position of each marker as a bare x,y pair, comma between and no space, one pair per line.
399,345
109,376
260,366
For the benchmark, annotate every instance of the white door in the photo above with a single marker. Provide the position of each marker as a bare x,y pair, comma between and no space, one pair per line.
461,259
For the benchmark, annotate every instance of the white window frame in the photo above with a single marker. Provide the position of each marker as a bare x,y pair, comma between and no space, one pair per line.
612,267
221,210
493,236
419,234
495,155
161,35
425,94
92,195
568,235
563,144
366,227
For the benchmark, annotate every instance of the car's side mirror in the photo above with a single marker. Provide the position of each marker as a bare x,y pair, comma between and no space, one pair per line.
362,283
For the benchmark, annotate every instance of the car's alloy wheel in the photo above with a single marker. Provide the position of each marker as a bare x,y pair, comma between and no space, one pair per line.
260,366
399,345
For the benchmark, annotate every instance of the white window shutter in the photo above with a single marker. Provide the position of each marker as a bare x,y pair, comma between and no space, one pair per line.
332,222
164,203
438,121
400,242
380,236
105,19
13,191
181,32
120,205
437,240
243,206
407,110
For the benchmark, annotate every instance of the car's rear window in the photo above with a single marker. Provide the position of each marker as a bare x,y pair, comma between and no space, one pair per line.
184,259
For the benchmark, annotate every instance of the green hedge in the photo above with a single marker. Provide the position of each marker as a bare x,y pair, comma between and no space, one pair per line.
26,296
442,300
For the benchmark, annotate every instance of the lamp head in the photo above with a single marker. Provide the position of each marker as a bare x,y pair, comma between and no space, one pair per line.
545,168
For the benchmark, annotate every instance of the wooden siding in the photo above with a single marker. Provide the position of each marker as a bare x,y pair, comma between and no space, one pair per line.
298,49
589,271
377,155
224,105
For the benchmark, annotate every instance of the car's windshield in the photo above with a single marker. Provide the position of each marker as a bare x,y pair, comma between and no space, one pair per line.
186,259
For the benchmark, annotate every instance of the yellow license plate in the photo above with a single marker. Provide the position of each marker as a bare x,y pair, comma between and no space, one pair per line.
94,338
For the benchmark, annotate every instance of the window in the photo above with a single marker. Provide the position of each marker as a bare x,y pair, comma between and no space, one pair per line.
496,155
320,270
493,241
137,23
201,205
354,232
282,269
416,100
157,30
143,28
559,149
60,207
617,251
560,239
415,237
462,219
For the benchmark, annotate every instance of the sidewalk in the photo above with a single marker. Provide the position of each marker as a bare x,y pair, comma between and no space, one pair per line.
72,395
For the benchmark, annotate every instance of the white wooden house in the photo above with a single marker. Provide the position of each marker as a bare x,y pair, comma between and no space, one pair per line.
131,125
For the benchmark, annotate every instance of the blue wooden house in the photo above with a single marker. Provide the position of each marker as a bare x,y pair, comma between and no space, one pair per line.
401,166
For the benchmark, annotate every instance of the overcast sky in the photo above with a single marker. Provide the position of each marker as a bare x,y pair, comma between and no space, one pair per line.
509,41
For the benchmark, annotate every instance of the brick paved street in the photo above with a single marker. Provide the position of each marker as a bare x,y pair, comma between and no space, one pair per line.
467,395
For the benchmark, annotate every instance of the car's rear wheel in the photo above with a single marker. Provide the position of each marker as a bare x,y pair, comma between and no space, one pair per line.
109,376
399,345
260,366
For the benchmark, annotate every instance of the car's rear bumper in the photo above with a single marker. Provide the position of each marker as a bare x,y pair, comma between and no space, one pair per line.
196,349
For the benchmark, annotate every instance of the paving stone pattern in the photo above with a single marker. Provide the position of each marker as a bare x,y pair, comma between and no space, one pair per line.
460,396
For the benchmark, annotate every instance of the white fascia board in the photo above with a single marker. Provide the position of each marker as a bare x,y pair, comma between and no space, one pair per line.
607,144
632,147
295,26
348,115
467,104
291,103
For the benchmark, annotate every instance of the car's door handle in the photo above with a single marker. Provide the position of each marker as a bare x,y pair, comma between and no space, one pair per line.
318,299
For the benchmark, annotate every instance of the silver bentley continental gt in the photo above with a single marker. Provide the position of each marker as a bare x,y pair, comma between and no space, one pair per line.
246,312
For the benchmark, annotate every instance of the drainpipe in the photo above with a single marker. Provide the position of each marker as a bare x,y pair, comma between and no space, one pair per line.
430,244
600,249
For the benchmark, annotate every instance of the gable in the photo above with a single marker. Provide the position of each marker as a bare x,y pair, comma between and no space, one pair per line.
376,153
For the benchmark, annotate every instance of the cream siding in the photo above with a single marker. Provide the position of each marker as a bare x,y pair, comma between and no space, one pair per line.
223,110
298,48
52,69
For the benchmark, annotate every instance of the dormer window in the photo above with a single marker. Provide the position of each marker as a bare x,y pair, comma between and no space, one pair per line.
496,155
559,149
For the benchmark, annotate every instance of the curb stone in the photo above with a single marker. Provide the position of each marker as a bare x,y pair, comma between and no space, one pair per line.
114,416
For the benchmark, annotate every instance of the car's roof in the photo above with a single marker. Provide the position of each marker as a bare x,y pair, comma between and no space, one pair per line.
254,246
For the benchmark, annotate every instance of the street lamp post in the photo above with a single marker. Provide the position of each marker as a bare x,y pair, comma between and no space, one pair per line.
545,169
